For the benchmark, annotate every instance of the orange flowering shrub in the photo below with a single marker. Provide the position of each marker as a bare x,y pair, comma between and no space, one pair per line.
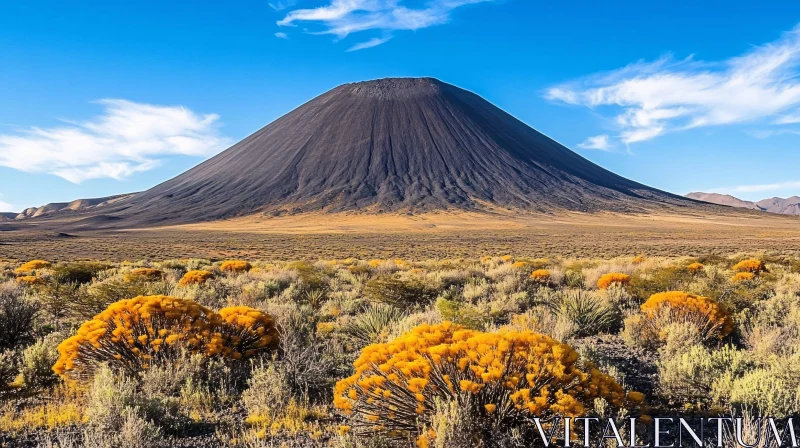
499,379
31,266
638,259
130,335
195,278
752,265
29,280
614,278
695,268
540,276
143,275
704,313
742,277
235,266
519,265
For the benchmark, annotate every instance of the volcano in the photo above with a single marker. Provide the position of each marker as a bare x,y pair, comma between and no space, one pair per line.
408,145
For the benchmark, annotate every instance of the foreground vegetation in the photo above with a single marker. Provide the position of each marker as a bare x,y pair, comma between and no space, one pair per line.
385,353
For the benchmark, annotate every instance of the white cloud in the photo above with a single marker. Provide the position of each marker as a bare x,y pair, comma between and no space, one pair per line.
282,4
757,188
281,35
5,207
648,99
374,42
127,138
343,17
597,142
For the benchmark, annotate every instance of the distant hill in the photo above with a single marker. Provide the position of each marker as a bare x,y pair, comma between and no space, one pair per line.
723,199
56,207
788,206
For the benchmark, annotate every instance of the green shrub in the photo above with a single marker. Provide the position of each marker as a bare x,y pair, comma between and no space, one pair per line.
78,272
773,391
398,292
16,318
36,367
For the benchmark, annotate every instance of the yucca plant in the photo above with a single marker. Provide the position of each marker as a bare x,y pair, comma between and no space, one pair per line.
590,314
373,323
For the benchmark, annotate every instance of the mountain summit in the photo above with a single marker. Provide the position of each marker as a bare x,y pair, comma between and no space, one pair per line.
409,145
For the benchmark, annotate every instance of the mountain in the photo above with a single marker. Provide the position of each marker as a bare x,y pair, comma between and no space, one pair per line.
788,206
76,205
723,199
406,145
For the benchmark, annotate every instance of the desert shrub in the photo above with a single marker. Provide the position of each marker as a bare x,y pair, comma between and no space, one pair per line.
742,277
29,280
267,392
540,276
195,278
695,267
32,266
8,369
698,376
752,265
123,415
132,334
399,292
638,259
614,278
36,366
589,314
500,379
144,275
461,313
16,318
374,323
644,284
235,266
706,315
773,391
92,299
78,272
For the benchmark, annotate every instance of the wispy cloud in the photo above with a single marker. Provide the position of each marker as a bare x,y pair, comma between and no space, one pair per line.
374,42
281,35
758,188
127,138
344,17
649,99
282,4
597,142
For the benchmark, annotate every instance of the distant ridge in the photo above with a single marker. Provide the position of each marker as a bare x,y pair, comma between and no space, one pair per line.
788,206
395,145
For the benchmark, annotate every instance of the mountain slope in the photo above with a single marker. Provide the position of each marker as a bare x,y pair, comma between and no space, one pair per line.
391,145
788,206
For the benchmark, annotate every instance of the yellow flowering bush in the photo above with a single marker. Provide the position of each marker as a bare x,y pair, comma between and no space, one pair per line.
131,335
752,265
195,278
705,314
29,280
742,277
31,266
235,266
638,259
143,275
695,268
540,275
614,278
500,379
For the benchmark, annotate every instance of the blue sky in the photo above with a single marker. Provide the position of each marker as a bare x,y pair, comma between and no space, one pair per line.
99,98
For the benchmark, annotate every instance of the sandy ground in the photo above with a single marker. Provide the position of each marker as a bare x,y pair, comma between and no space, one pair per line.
436,235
